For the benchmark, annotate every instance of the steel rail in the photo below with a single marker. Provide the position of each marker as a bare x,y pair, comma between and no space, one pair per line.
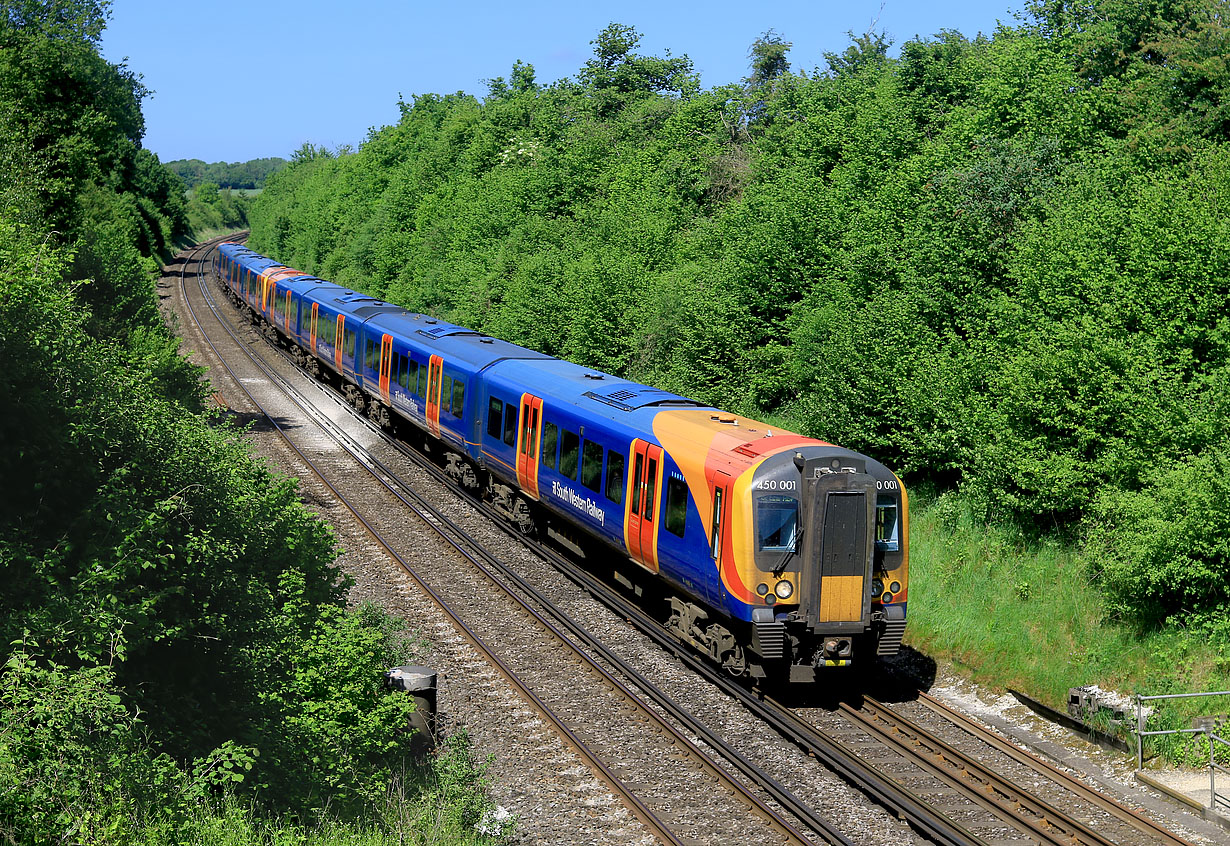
643,813
443,526
880,787
1133,818
976,781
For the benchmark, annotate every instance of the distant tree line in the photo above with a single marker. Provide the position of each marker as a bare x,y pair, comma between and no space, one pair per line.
247,175
1000,264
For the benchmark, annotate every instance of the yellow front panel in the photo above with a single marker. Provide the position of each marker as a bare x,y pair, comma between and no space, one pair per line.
841,599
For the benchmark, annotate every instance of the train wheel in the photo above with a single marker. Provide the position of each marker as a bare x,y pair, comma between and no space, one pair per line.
523,518
735,662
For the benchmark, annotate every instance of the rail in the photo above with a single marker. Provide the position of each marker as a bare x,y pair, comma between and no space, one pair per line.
1215,799
479,558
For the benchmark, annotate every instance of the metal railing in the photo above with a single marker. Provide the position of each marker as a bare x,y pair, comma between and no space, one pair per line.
1215,800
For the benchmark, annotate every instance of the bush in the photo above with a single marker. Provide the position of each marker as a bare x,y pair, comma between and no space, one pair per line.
331,736
1163,553
74,765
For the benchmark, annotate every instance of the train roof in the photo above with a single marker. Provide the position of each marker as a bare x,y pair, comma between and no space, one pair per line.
590,390
250,259
455,343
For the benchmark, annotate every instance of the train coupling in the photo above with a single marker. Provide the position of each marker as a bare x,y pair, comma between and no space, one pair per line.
835,651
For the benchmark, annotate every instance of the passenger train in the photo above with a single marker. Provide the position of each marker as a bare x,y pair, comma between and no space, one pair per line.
775,554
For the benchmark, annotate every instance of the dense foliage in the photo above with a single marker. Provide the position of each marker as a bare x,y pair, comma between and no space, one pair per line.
250,174
174,624
999,264
211,211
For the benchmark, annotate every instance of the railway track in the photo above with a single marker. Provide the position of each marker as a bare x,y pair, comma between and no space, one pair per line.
1016,814
659,807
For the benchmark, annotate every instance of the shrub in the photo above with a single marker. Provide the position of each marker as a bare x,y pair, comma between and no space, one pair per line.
1163,553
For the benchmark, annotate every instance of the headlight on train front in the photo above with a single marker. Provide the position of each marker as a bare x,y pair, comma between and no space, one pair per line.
877,587
895,587
783,589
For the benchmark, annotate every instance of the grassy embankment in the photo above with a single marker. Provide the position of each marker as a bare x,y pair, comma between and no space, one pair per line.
1008,611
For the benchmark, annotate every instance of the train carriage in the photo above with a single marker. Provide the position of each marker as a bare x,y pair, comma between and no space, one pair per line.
774,553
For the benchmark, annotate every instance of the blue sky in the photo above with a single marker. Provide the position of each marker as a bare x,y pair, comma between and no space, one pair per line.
240,80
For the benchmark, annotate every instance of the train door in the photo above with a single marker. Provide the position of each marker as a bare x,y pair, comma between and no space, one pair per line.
339,336
435,370
386,364
641,504
288,312
529,440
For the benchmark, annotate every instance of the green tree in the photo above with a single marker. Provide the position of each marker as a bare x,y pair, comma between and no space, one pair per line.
768,60
618,75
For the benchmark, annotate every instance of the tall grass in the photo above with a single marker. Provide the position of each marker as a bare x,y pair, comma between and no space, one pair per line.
1008,610
438,800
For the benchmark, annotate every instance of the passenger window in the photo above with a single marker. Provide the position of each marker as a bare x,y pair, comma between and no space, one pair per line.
446,392
550,435
372,363
459,398
350,342
421,390
569,452
403,372
676,506
591,465
510,427
615,477
776,521
495,417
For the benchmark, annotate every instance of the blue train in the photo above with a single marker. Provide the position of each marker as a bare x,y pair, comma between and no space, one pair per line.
774,554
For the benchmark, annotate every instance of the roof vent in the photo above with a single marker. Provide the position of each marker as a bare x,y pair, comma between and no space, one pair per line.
486,340
595,376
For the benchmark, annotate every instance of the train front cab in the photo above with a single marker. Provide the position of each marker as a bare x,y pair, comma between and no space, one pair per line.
825,555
